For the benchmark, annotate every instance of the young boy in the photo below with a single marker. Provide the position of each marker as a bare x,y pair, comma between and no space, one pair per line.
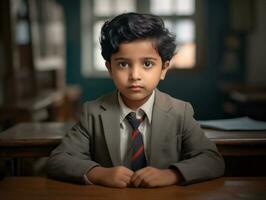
109,146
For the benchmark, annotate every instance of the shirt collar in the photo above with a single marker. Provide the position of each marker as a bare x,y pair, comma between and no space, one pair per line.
146,108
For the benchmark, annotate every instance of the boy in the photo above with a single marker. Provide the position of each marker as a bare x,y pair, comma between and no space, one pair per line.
136,136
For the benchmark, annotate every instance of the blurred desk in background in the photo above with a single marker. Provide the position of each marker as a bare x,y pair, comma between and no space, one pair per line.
241,100
30,140
244,152
50,105
238,143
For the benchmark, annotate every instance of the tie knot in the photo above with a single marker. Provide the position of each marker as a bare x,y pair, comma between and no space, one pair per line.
133,121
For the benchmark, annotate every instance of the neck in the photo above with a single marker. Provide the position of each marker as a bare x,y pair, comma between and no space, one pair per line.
134,104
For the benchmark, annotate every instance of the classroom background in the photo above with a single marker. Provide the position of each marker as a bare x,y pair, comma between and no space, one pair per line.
50,60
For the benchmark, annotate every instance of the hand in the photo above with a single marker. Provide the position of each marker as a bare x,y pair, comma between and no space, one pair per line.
153,177
113,177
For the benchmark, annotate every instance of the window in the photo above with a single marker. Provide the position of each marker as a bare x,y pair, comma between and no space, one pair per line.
180,16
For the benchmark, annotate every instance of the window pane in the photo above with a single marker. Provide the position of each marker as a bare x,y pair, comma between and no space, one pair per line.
99,62
110,7
168,7
97,31
185,57
185,31
123,6
169,25
102,7
185,7
186,47
159,7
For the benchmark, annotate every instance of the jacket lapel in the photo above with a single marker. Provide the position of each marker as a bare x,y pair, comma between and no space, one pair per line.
161,125
110,118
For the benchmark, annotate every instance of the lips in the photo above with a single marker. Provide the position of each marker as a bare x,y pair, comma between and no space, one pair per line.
135,87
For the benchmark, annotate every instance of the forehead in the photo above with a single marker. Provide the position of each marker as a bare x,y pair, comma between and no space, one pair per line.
137,48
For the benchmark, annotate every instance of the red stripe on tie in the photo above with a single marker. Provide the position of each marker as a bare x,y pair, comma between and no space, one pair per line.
134,134
140,150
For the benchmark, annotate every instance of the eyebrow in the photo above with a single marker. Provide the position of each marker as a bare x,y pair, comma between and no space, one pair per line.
144,58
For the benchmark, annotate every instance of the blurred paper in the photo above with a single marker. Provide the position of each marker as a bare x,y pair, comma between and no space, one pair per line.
235,124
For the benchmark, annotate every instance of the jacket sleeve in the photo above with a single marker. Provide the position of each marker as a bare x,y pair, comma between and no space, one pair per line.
200,157
72,158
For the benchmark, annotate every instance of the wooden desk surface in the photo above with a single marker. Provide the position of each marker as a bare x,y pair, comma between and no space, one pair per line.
236,137
252,188
238,143
46,136
39,134
32,139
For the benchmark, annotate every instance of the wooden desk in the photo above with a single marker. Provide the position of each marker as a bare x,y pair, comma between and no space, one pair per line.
38,139
252,188
32,139
238,143
244,152
29,140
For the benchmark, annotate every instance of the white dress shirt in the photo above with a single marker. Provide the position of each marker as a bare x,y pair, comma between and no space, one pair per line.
144,128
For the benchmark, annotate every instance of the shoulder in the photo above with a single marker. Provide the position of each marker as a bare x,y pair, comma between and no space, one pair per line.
100,104
173,105
166,100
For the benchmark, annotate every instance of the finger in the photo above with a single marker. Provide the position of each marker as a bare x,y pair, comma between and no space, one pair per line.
147,182
127,179
121,184
139,177
146,179
138,173
118,183
129,172
137,181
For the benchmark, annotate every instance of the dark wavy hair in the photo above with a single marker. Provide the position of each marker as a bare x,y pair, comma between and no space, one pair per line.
129,27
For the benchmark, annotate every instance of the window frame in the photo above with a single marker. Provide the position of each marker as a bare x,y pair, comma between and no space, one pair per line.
88,19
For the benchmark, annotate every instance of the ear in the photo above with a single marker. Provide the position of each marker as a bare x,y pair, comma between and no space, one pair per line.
108,66
165,67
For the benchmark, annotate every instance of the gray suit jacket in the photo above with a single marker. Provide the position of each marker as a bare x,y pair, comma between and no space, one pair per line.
176,141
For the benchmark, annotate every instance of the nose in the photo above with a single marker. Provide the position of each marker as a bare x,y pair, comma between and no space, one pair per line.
135,73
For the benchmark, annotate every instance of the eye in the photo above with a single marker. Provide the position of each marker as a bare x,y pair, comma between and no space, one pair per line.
123,64
148,64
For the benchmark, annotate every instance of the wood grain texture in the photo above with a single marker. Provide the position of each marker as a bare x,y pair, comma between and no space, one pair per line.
253,188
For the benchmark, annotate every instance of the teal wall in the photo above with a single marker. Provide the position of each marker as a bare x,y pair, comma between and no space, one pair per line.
200,87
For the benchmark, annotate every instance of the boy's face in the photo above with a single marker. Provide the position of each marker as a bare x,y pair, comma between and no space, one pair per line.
136,70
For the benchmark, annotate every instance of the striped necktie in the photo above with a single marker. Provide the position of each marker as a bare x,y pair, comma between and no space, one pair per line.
136,150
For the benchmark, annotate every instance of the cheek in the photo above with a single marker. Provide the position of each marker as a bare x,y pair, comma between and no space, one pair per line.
155,76
120,78
152,82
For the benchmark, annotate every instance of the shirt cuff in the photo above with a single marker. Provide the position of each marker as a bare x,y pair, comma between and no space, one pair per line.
86,180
